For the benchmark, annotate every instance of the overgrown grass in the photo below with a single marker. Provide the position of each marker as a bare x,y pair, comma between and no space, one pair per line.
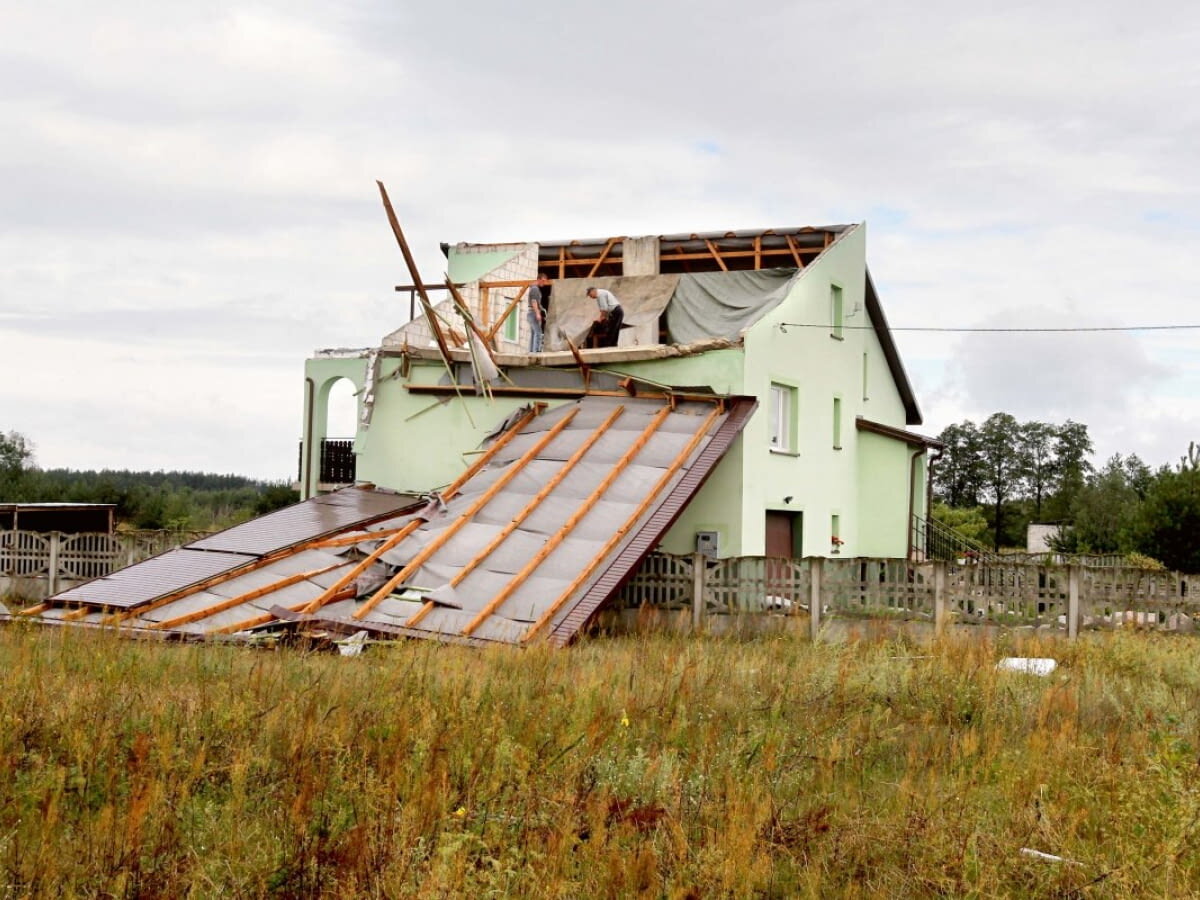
669,767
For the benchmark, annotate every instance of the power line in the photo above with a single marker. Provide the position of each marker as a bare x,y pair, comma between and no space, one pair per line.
1079,330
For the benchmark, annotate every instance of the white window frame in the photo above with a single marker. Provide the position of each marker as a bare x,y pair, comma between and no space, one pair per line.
837,311
781,418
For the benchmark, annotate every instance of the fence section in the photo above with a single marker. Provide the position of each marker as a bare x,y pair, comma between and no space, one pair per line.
1062,597
35,565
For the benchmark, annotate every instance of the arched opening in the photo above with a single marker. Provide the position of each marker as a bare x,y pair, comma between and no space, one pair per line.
336,437
341,410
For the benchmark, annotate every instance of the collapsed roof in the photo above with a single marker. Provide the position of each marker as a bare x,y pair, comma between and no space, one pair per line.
528,544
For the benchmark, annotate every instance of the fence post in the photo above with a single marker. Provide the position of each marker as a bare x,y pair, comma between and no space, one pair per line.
52,566
939,596
1073,580
815,567
699,607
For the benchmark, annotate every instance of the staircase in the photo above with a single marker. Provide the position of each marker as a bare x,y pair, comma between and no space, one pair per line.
941,542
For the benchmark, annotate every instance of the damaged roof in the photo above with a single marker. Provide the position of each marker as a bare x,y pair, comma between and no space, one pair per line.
529,543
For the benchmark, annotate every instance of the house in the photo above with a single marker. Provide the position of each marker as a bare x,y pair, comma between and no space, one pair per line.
789,316
755,405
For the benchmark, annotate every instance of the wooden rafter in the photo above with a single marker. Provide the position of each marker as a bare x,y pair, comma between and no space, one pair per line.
758,251
232,602
426,305
603,255
463,310
360,567
562,262
267,618
680,255
791,242
444,535
559,536
507,312
619,535
537,499
351,539
712,248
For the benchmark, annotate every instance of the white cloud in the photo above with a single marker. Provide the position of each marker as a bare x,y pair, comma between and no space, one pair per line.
190,189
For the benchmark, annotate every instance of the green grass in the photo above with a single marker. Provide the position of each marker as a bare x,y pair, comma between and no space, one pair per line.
657,766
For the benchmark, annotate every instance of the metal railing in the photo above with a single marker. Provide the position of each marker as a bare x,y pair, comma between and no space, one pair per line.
338,464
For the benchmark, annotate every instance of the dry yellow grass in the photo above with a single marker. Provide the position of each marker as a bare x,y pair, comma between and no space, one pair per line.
657,766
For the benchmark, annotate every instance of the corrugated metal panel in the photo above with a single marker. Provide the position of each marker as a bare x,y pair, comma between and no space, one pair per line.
235,547
141,583
305,521
647,537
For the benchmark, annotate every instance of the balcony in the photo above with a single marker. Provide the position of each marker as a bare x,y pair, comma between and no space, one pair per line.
338,463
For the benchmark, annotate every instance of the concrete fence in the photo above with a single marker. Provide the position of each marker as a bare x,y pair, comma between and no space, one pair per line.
751,591
36,565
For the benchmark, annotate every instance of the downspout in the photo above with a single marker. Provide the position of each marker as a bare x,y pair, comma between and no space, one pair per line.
310,388
912,490
937,454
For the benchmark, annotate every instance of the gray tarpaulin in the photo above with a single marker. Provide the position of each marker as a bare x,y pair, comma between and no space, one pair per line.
642,297
722,304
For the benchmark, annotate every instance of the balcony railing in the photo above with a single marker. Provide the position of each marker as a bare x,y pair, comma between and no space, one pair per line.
338,463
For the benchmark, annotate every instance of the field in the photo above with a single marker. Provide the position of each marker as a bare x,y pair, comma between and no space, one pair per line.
665,767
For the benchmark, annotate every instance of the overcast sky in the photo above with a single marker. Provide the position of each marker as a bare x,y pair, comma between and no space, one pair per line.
188,206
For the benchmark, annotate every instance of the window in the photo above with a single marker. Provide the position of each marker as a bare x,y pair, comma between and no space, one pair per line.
512,323
835,534
835,311
837,423
865,397
782,418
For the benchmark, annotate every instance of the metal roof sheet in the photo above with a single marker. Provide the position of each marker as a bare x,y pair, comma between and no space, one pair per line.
327,514
242,545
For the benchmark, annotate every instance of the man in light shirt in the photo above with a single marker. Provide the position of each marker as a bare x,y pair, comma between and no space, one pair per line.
607,327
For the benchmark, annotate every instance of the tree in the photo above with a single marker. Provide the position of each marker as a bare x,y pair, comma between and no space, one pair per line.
16,454
1104,512
1072,447
1036,445
1003,465
1168,527
958,475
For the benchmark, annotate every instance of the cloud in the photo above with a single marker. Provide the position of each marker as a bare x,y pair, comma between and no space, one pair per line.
189,204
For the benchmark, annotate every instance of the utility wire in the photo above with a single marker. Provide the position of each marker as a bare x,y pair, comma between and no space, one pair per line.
785,325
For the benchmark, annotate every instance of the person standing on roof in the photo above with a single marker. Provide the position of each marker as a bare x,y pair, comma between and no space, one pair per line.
607,327
538,311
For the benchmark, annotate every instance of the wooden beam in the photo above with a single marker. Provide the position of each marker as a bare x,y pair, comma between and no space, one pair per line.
267,618
791,242
349,540
507,391
559,536
465,312
603,255
680,255
34,610
507,312
232,602
511,471
360,567
619,535
712,248
412,269
758,251
562,262
538,497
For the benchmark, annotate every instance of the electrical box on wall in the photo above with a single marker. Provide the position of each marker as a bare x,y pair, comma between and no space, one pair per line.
708,543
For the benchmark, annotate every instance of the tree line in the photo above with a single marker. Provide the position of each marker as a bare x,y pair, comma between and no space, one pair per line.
176,500
996,477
